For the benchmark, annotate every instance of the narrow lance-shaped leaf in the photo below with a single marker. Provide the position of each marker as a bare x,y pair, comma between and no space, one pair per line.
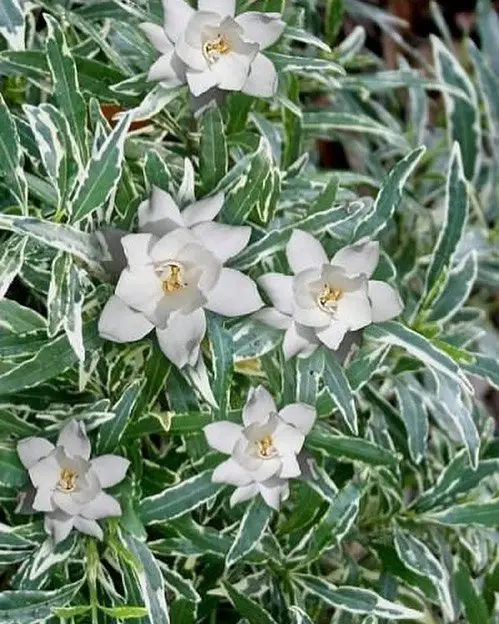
337,386
415,419
214,154
251,530
249,609
471,514
11,261
66,86
10,156
222,350
102,174
12,23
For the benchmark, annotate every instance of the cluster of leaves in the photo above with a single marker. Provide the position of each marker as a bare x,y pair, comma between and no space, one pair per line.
398,518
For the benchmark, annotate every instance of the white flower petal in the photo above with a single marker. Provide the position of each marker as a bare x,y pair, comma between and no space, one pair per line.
43,500
231,71
224,241
102,506
137,248
198,376
89,527
385,301
177,14
160,214
110,469
357,259
32,449
45,473
304,252
168,69
66,502
273,318
119,323
300,415
259,404
299,340
267,469
290,467
157,36
222,7
262,78
221,298
192,56
243,493
311,317
181,339
222,435
272,494
201,82
58,525
73,439
332,335
230,472
168,247
279,288
287,439
203,210
262,28
354,309
140,288
202,260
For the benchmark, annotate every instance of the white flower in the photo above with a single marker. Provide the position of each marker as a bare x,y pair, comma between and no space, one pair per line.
326,299
210,48
263,451
67,484
175,269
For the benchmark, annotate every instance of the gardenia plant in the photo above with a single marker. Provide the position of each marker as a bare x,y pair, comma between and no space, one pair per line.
211,48
175,270
325,299
264,451
67,485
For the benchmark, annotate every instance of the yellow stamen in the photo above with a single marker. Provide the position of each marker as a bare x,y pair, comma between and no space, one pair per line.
173,283
330,296
216,47
67,479
266,447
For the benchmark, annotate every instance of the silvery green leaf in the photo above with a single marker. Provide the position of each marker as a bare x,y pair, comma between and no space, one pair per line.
11,171
355,599
12,23
463,116
178,584
351,45
456,215
305,37
419,559
299,615
213,155
489,87
66,87
303,64
12,423
390,195
337,387
252,339
415,417
366,363
488,26
11,261
101,175
47,556
309,372
251,528
474,514
222,357
484,367
248,608
179,499
156,171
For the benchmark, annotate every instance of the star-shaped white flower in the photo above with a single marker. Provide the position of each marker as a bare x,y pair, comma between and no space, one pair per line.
68,485
326,299
263,451
175,270
211,48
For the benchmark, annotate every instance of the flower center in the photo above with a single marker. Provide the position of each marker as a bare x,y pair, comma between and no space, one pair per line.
172,279
67,480
215,48
329,297
266,447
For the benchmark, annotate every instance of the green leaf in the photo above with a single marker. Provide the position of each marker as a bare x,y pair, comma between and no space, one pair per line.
10,539
456,215
179,499
17,319
415,417
12,424
71,612
213,157
474,604
337,387
13,475
485,367
488,26
472,514
366,363
309,372
111,431
102,174
222,350
389,196
156,171
249,609
22,607
10,156
355,599
419,347
303,64
489,85
335,10
11,261
344,447
299,616
250,531
124,613
66,86
419,559
12,23
463,116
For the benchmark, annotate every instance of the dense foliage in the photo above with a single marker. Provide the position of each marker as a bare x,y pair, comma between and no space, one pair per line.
386,504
